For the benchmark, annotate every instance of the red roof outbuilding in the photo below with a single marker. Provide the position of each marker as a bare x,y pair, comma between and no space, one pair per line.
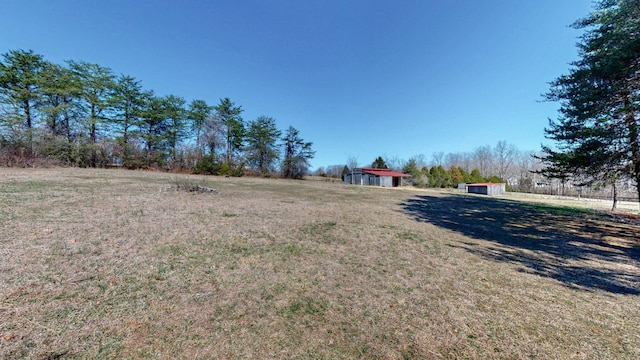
383,172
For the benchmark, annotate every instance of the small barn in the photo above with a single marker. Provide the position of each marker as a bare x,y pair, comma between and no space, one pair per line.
374,177
487,188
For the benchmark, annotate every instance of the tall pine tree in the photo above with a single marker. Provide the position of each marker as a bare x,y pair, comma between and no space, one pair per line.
597,132
20,74
234,130
297,154
262,144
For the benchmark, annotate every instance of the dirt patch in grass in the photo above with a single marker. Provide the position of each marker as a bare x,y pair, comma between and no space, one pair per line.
108,264
629,216
625,217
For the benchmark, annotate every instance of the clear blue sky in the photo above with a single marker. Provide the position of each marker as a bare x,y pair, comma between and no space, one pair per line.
358,78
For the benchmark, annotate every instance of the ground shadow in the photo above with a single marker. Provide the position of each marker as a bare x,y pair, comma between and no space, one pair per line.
580,249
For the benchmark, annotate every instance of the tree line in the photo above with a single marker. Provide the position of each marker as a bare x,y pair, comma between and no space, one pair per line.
82,114
503,162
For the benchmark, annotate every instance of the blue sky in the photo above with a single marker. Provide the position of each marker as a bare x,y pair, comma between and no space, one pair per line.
357,78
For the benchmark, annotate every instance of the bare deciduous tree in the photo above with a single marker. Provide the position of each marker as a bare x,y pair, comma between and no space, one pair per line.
213,135
503,155
334,171
437,158
352,163
482,157
393,162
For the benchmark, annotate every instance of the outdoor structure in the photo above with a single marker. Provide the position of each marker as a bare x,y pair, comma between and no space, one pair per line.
487,188
374,177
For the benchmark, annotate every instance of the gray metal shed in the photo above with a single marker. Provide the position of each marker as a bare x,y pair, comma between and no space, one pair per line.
487,188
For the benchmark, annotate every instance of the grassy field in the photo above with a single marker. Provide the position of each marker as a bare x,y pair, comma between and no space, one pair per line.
113,264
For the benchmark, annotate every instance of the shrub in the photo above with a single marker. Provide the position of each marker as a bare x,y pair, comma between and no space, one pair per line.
206,166
209,166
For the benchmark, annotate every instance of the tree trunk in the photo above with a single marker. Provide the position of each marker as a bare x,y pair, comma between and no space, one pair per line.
27,114
615,196
198,146
634,138
67,119
93,136
228,147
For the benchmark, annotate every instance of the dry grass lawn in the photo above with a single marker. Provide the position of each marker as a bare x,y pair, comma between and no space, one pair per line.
111,264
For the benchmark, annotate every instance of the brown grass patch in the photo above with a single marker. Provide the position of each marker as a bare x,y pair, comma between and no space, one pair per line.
107,264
